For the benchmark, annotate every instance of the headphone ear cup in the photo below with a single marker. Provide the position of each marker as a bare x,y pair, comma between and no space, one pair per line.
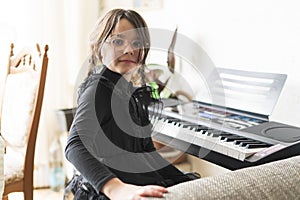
142,99
145,95
139,112
143,114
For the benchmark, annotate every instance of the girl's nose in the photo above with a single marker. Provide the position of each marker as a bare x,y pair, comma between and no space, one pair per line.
128,49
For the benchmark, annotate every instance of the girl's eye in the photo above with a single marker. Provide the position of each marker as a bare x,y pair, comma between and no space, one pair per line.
136,44
118,42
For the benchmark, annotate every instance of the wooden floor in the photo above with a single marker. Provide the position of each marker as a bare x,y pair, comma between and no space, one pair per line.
39,194
48,194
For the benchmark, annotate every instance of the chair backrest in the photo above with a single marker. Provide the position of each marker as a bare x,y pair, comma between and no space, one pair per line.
22,102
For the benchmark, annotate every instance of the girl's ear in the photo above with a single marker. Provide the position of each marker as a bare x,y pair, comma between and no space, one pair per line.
102,50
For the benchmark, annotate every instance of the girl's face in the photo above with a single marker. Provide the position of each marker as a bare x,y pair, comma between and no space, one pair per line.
121,51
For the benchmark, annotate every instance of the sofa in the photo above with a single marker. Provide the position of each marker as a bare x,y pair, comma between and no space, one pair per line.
275,180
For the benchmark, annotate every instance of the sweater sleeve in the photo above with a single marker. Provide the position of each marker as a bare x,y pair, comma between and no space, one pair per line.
81,144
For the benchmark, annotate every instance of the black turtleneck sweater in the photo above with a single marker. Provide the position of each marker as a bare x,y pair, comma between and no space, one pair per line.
107,140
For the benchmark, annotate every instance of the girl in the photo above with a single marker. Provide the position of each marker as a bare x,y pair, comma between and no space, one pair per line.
110,139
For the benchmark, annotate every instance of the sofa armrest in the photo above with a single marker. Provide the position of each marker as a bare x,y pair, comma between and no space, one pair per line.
275,180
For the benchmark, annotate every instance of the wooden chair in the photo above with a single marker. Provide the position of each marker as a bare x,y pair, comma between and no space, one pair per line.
20,116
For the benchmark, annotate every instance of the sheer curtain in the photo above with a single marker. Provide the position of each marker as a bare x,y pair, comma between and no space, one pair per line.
64,26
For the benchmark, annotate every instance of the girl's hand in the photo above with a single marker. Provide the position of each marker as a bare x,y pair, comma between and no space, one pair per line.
115,189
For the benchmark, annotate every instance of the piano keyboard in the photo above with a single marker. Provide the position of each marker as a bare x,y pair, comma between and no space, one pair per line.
229,144
234,132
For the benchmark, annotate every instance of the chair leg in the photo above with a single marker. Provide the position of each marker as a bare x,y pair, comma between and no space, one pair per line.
5,197
28,194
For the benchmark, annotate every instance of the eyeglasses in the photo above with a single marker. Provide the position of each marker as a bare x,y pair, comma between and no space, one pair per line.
120,43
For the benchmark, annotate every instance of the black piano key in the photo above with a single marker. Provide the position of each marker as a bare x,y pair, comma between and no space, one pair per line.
197,126
260,145
244,144
187,124
238,141
184,125
175,120
209,133
201,128
232,138
223,136
216,134
220,134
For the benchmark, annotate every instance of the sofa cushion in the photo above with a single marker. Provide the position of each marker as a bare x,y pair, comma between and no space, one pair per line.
275,180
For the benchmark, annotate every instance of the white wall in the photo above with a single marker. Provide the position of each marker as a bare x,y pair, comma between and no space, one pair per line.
257,35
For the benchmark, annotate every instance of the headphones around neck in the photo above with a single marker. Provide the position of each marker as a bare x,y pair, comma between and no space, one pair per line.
144,101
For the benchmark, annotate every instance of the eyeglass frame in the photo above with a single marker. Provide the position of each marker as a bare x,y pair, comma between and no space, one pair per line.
125,44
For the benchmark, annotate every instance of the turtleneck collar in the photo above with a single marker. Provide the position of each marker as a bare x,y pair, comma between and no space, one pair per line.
115,77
